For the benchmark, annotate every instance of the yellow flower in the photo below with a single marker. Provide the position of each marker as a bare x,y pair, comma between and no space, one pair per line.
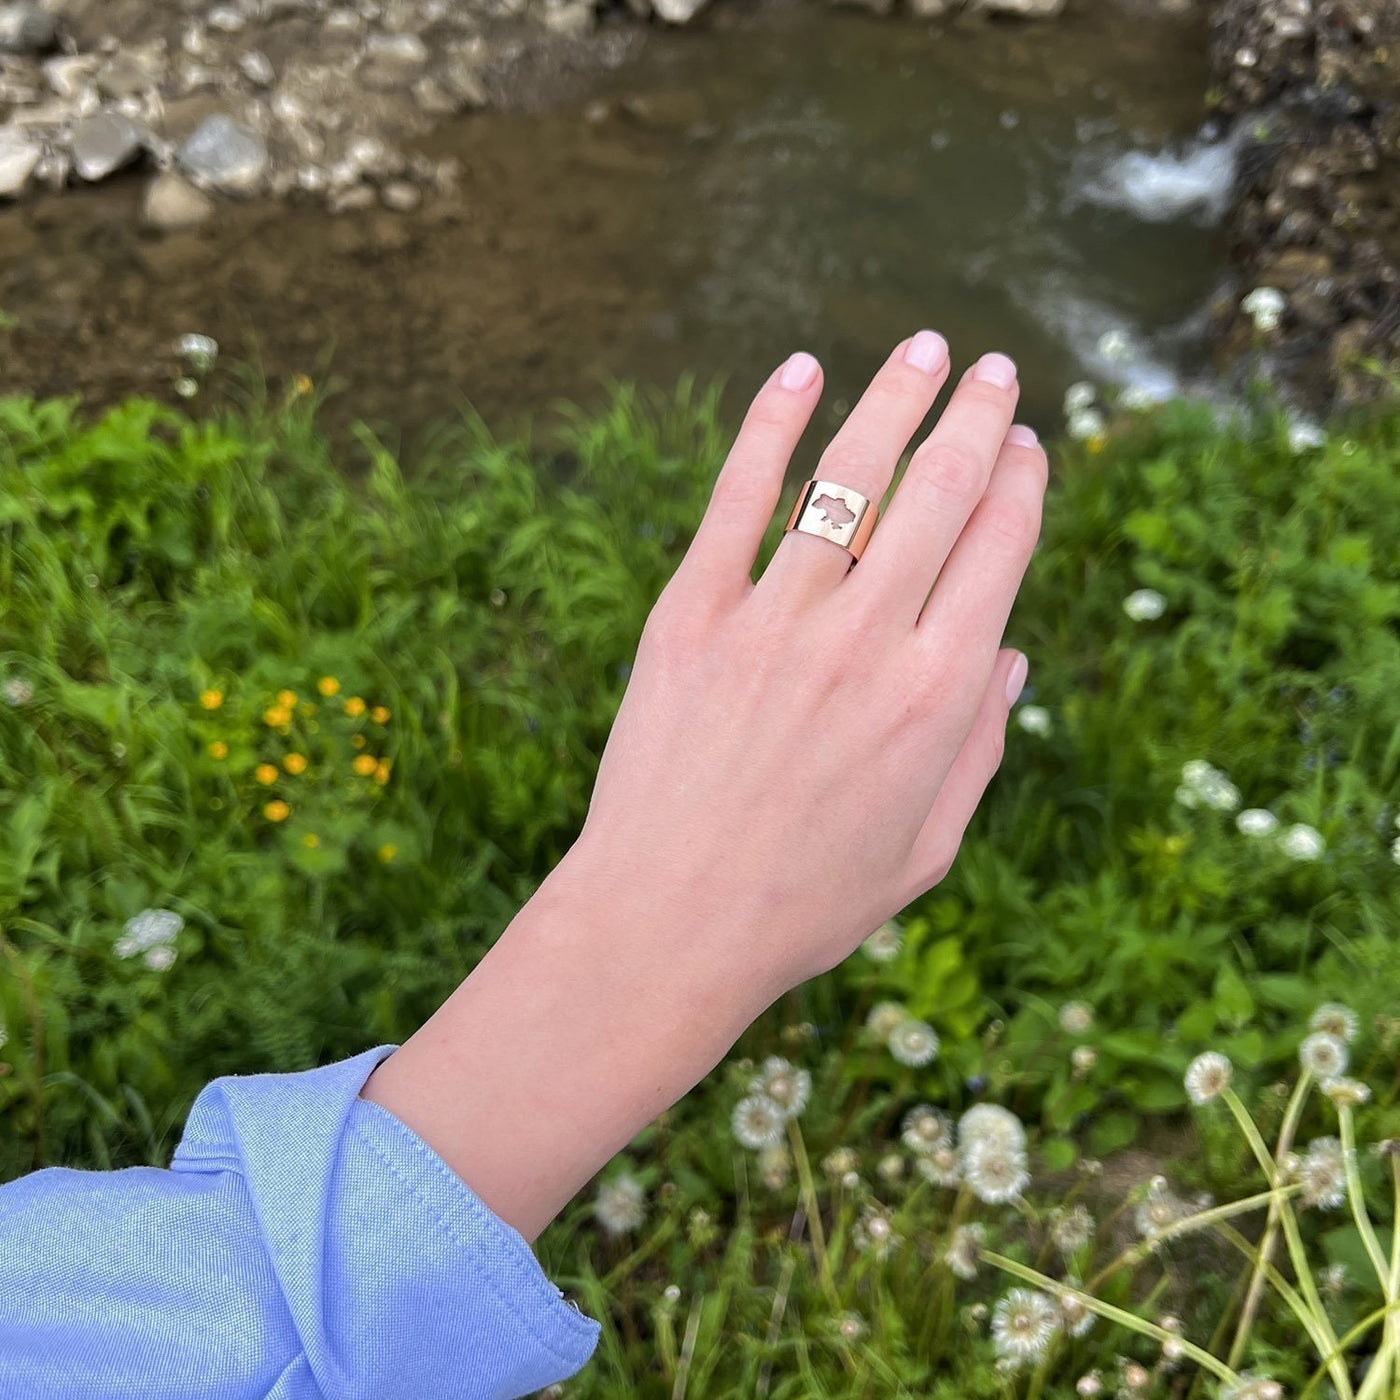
388,851
311,840
381,772
286,698
266,774
212,699
277,716
295,763
328,685
1096,443
302,384
218,749
364,764
379,715
277,811
354,706
358,740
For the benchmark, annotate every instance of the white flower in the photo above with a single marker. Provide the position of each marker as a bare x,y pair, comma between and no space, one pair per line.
1203,782
839,1161
1186,795
1256,821
1144,605
1115,346
1024,1324
965,1249
788,1087
1034,719
884,944
1076,1017
1071,1229
200,350
1208,1076
620,1205
1334,1019
874,1234
1078,397
1302,435
883,1017
151,928
1322,1174
925,1130
1346,1093
758,1121
1086,423
160,958
913,1043
1323,1055
1264,306
995,1172
989,1122
1162,1208
1136,397
1083,1058
1302,842
18,691
940,1167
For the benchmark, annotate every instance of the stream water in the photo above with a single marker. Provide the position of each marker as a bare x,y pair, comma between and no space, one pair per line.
792,178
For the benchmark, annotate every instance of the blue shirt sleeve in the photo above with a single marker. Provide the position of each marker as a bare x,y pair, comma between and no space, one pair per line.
304,1245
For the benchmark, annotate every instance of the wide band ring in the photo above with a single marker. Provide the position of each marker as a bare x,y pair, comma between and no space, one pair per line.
834,513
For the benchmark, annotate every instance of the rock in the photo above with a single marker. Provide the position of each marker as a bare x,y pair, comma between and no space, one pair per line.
929,9
435,100
678,11
25,28
391,60
1023,9
124,76
223,154
572,18
19,154
68,74
257,68
401,196
348,200
104,143
172,202
226,19
462,80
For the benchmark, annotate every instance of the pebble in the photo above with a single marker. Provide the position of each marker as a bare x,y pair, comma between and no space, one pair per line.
124,76
68,74
225,18
223,154
172,202
26,28
257,68
678,11
104,143
18,157
402,196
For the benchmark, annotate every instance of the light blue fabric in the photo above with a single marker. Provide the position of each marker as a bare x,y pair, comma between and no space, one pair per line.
304,1245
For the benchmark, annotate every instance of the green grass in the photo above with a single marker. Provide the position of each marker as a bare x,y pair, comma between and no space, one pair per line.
489,599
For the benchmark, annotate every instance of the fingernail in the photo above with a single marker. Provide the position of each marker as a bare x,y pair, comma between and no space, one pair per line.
1016,677
799,371
1021,435
927,351
996,369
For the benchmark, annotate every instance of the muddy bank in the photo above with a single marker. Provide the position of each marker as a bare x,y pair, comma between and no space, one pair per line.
1314,88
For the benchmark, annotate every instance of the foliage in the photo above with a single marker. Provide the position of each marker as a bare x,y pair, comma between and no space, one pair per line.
195,611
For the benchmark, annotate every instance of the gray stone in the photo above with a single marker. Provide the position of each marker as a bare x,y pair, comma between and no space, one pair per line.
172,202
1024,9
930,9
571,18
223,154
226,19
461,79
348,201
406,50
68,74
124,76
25,28
678,11
104,143
401,195
19,154
257,68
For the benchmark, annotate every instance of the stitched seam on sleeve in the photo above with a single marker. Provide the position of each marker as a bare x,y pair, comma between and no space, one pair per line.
576,1320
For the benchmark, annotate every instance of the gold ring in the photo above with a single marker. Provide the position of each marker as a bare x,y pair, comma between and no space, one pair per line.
834,513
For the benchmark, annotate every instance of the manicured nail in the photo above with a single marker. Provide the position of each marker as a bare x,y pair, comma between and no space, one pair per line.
996,369
927,351
799,371
1022,435
1016,677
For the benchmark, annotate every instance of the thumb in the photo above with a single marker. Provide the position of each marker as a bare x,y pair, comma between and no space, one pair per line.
938,841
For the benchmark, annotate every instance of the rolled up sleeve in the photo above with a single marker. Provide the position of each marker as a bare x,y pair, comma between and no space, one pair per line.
304,1245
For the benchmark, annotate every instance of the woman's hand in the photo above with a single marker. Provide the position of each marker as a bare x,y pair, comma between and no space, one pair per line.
796,760
793,762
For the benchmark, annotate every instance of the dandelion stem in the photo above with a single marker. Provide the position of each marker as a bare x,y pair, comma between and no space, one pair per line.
1132,1321
814,1215
1358,1199
1355,1334
1271,1226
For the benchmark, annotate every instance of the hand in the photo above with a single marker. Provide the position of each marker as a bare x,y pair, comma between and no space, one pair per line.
796,760
793,762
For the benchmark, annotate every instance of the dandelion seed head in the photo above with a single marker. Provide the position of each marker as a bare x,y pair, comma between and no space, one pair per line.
1346,1093
1024,1323
620,1205
1076,1316
1083,1058
1323,1055
1089,1385
913,1043
940,1166
890,1167
1076,1017
1208,1076
160,958
1078,397
758,1122
788,1086
1161,1209
1303,435
995,1172
775,1165
1084,424
885,943
925,1129
1034,719
18,692
1135,1377
1321,1171
1301,842
1071,1229
884,1017
1144,605
965,1249
839,1161
990,1122
1256,821
1251,1386
850,1326
1334,1019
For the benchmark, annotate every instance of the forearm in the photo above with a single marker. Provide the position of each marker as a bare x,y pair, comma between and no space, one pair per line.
576,1029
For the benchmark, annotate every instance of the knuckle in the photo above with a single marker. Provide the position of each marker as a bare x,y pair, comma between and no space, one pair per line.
946,469
1012,521
768,413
